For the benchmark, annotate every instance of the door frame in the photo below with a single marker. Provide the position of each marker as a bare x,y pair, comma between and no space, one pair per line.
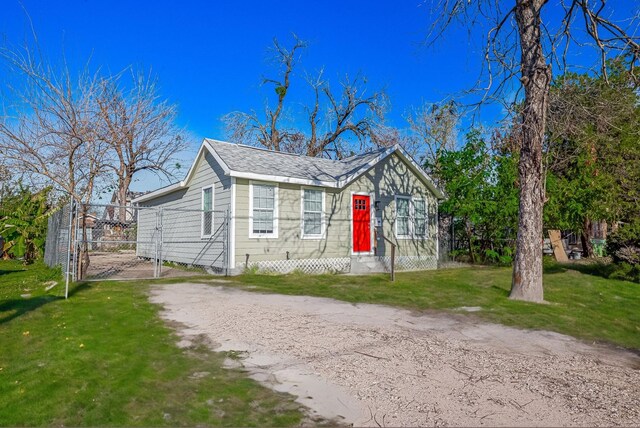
371,223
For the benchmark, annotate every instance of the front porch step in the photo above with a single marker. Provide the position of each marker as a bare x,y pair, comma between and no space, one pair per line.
366,264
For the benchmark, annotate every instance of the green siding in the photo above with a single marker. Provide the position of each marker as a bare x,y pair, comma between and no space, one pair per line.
385,180
181,224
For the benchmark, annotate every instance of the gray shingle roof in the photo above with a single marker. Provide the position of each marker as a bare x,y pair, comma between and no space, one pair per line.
255,163
254,160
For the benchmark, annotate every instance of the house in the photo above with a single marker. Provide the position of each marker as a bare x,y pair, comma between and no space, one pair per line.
245,207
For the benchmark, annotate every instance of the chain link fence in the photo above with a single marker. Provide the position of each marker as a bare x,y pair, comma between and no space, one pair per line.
103,241
58,243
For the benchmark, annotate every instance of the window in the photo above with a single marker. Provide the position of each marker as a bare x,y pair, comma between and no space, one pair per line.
207,211
312,213
264,210
412,218
402,217
419,217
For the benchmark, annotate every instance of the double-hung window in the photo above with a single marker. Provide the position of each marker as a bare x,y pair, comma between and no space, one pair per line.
403,228
312,213
411,218
264,211
207,212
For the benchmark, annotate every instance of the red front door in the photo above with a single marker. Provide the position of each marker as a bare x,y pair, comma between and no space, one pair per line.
361,223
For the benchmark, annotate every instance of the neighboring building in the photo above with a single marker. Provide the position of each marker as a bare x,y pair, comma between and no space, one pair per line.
281,211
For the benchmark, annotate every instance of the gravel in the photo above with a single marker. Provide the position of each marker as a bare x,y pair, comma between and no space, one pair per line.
373,365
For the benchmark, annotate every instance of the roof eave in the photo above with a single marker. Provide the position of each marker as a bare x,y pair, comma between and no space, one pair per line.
159,192
283,179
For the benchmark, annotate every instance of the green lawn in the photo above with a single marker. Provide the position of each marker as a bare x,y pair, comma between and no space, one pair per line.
104,357
581,305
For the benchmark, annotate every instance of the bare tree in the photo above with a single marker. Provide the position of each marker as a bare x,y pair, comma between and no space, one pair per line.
523,42
248,127
76,133
139,130
49,132
434,130
333,119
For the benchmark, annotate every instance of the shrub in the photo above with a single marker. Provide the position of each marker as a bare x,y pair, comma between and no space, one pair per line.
623,245
625,272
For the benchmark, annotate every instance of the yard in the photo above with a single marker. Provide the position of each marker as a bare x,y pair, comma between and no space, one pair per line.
106,357
581,305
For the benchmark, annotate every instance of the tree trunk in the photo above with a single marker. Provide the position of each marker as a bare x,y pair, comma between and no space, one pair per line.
585,237
536,77
83,256
469,232
123,189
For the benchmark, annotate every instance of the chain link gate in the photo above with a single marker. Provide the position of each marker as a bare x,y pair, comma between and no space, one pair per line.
115,242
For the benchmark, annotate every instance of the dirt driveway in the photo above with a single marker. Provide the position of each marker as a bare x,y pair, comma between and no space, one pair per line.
125,264
374,365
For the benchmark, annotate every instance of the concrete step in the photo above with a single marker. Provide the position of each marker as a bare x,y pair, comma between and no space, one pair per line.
366,264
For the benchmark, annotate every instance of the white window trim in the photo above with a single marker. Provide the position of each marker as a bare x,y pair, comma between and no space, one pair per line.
372,225
202,234
323,227
395,226
274,234
412,218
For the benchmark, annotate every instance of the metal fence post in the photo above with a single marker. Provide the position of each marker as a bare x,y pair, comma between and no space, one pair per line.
74,250
161,241
155,245
227,239
67,272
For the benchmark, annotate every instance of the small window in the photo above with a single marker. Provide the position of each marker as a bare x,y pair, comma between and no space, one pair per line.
420,217
264,210
312,222
402,217
207,211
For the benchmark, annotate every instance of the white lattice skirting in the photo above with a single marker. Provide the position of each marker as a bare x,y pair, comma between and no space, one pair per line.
410,262
333,265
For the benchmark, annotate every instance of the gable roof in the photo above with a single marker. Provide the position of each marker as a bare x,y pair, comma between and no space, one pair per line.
250,162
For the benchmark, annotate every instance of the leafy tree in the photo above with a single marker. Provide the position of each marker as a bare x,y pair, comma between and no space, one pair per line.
592,152
524,40
23,224
480,184
624,244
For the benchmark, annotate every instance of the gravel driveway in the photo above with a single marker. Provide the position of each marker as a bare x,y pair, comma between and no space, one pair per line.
373,365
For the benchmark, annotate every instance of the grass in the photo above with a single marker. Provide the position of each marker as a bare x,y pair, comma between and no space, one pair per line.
581,305
104,357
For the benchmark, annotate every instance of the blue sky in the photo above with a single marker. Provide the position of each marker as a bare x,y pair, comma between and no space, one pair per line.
209,56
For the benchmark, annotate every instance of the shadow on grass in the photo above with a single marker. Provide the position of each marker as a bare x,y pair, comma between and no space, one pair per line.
597,269
551,268
8,271
14,308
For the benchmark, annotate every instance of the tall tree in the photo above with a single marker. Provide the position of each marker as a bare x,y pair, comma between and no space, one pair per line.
526,40
139,130
75,131
592,153
326,126
48,127
433,129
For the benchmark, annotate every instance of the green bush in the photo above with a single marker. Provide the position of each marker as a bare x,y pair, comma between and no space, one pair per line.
625,271
623,245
